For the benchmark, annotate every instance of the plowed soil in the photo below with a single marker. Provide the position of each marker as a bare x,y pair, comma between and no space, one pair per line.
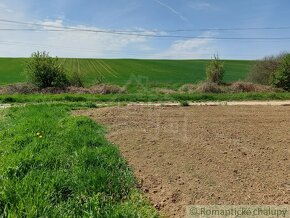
204,154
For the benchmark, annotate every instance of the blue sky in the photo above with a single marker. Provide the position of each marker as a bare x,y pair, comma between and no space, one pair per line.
152,17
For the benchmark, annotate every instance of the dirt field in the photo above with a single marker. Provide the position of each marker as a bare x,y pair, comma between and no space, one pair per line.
203,154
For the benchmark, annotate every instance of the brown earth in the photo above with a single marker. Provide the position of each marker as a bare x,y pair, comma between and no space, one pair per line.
204,155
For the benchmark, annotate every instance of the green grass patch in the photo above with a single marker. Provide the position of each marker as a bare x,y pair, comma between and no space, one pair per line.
2,115
56,165
141,97
132,72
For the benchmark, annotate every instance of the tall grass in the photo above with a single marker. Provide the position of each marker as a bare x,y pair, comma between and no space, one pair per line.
55,165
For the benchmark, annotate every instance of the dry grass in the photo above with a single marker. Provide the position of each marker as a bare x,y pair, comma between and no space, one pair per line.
165,91
251,87
237,87
187,88
18,88
26,88
97,89
208,87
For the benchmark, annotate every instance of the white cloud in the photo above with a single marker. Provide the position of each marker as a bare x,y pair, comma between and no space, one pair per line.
89,44
4,8
69,43
191,48
56,23
72,43
64,43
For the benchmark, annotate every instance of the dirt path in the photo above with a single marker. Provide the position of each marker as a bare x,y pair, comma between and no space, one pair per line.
218,103
204,155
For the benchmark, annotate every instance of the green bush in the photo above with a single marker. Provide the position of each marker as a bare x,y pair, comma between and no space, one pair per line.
77,79
45,71
184,103
8,100
281,77
215,71
262,70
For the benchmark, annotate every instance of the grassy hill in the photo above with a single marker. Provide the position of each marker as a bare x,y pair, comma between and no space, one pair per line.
123,71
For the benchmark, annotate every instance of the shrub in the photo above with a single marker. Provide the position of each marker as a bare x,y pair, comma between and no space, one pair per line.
91,105
184,103
281,77
77,79
215,71
45,71
263,69
8,100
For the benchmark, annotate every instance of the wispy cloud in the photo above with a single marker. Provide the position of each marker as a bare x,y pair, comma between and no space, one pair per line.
172,10
191,48
201,5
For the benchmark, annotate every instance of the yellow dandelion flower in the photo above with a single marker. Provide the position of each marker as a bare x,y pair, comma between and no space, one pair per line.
38,134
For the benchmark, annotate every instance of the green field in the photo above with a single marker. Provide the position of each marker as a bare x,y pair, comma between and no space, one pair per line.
11,70
129,71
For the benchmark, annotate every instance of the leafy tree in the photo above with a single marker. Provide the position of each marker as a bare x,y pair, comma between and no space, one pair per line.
215,71
281,77
45,71
262,70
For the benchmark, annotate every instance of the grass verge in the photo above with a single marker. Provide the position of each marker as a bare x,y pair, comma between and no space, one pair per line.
142,97
56,165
